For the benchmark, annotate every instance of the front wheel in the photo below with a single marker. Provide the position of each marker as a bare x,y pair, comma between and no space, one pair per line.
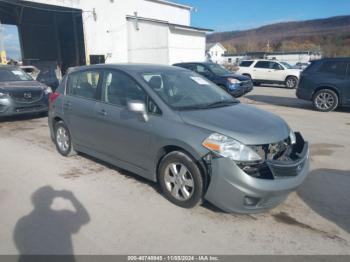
180,179
291,82
325,100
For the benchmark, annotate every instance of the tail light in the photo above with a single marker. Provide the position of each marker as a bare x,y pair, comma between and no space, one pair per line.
53,96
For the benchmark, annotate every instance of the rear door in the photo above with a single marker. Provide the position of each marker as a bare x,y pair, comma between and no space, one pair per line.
79,106
334,73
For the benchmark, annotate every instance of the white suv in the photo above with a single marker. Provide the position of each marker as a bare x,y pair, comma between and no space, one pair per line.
270,72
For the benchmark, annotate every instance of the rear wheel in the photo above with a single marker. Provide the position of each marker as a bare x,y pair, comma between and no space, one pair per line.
63,140
325,100
180,179
291,82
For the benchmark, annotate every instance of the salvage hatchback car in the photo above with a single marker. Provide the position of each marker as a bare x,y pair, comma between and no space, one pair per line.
172,126
20,93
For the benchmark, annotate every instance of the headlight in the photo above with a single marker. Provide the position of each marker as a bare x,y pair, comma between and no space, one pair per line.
292,137
228,147
233,81
3,95
48,90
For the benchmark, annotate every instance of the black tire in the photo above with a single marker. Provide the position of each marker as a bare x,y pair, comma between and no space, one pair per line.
196,192
291,82
69,151
325,100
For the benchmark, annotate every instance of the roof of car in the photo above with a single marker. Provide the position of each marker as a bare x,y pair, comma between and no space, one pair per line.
128,67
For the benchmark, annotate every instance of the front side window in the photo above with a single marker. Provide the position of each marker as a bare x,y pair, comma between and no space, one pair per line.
13,74
182,90
119,88
333,67
84,84
276,66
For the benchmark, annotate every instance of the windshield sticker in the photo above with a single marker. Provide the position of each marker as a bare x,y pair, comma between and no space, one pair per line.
17,73
200,80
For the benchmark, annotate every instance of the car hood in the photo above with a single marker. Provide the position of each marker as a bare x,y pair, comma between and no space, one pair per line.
244,123
21,86
236,76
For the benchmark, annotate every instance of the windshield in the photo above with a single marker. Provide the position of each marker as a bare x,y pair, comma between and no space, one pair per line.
183,90
13,74
218,70
288,66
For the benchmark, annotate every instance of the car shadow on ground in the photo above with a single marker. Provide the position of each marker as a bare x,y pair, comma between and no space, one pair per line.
327,192
18,118
281,101
292,102
45,231
124,173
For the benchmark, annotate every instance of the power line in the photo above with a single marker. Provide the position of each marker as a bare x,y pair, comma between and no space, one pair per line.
43,9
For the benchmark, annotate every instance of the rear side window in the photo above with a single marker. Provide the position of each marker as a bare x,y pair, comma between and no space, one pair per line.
84,84
333,67
246,63
262,64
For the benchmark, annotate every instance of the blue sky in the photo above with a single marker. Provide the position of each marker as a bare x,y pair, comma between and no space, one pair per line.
230,15
11,42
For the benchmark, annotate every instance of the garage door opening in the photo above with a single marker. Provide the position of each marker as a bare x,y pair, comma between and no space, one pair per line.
49,36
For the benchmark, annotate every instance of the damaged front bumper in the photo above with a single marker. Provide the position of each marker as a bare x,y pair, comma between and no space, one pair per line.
233,190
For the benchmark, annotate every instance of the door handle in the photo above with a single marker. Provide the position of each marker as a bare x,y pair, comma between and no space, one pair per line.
102,112
67,104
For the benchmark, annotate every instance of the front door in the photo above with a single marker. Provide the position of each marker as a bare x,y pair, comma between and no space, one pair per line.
124,136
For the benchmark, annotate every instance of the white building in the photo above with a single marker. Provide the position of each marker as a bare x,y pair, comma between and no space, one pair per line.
114,31
293,58
215,52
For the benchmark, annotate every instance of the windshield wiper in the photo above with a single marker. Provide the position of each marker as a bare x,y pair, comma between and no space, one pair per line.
210,105
222,103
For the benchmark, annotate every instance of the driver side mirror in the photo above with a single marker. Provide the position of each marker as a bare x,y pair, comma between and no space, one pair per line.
138,107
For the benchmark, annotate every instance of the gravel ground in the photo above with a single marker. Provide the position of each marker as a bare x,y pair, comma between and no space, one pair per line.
55,205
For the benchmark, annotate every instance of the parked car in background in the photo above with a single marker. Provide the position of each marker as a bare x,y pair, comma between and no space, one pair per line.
31,70
301,66
326,83
174,127
48,77
270,72
20,93
236,85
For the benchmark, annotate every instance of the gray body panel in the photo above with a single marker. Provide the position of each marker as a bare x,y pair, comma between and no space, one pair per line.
118,136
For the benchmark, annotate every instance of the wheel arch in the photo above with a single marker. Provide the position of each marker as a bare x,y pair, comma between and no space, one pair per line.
165,150
330,87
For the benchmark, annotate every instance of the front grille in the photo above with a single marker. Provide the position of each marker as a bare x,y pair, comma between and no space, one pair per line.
246,83
283,171
28,109
27,96
280,160
275,151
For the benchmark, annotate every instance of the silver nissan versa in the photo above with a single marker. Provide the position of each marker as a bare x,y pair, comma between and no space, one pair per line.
174,127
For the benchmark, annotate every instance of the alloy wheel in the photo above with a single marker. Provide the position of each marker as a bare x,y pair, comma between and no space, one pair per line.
179,181
62,138
324,101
